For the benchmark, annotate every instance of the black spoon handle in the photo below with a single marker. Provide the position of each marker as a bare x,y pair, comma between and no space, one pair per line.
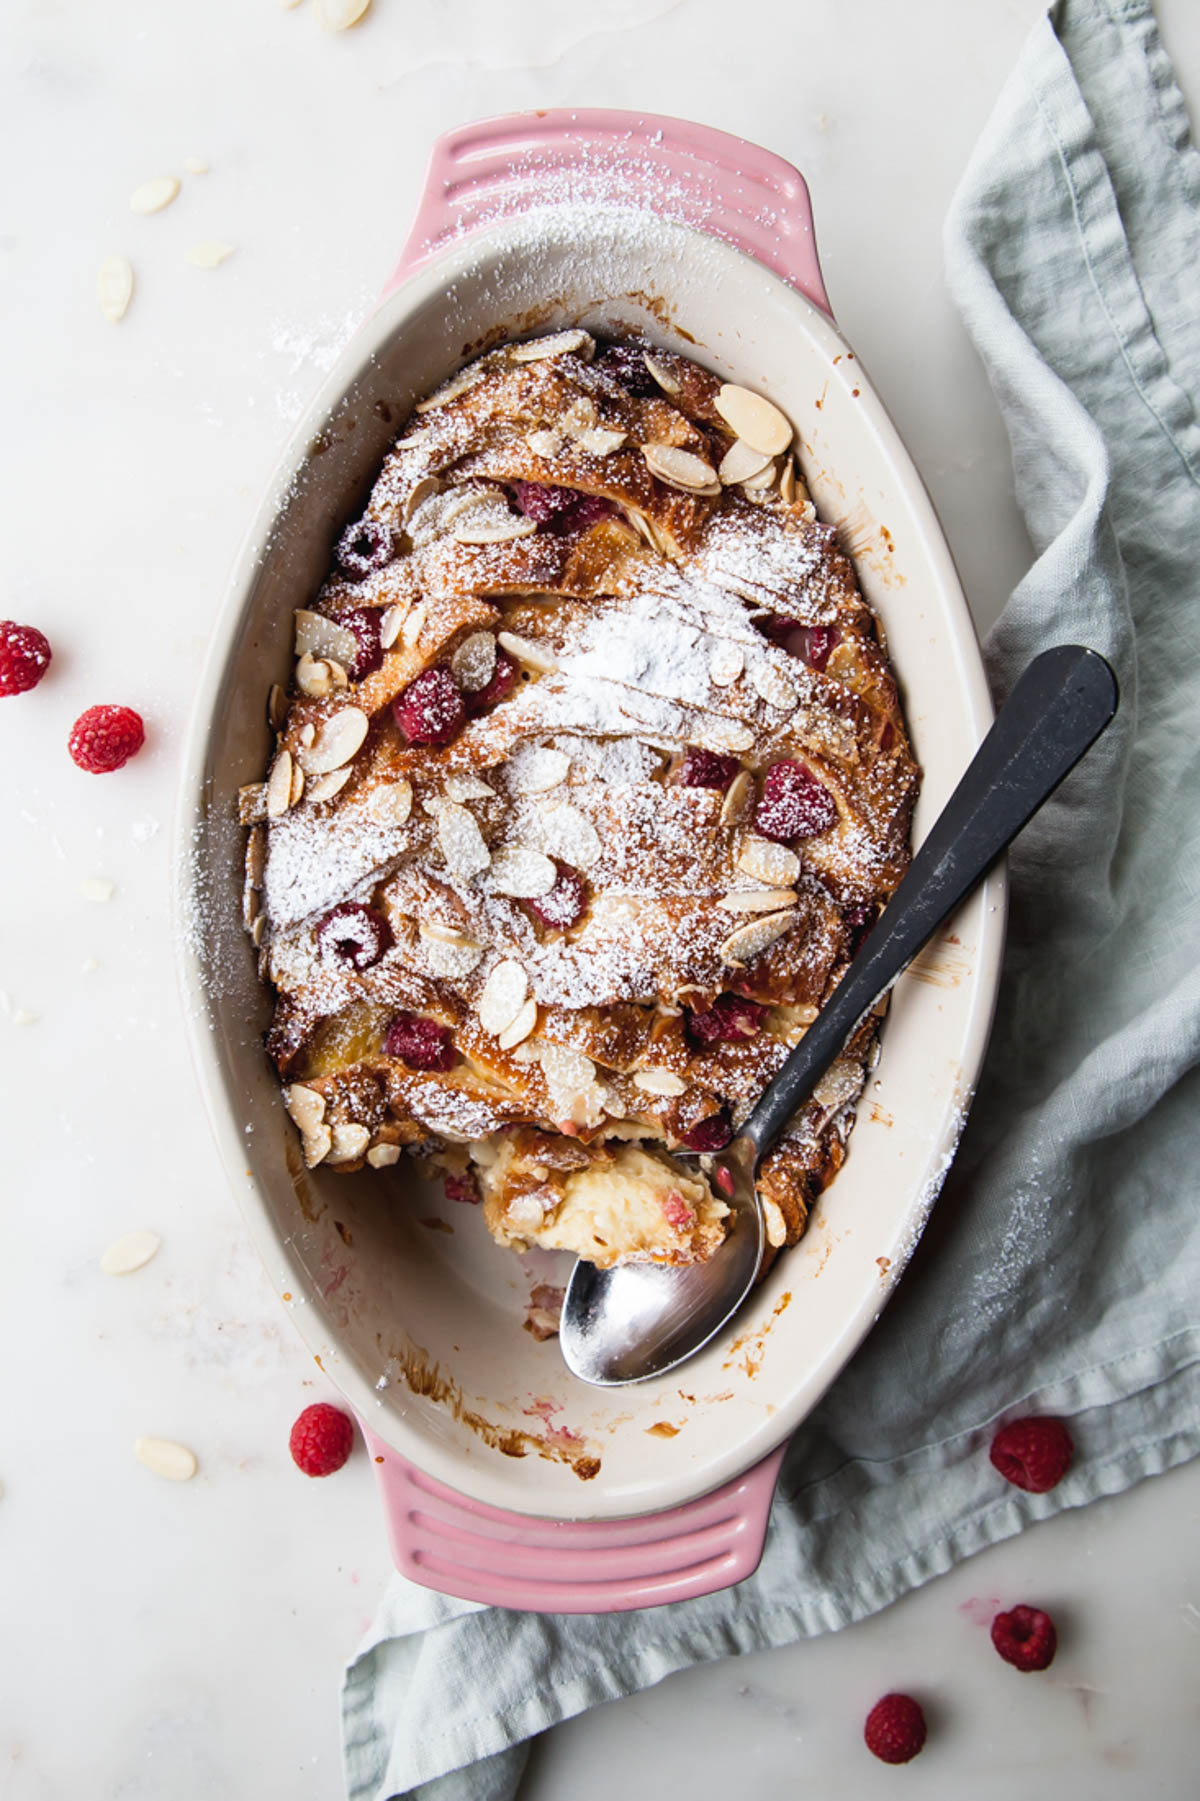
1057,710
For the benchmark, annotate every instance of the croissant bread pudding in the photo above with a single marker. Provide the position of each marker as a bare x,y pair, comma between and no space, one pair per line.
591,776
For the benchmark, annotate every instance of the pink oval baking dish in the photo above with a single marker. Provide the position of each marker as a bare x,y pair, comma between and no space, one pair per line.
503,1478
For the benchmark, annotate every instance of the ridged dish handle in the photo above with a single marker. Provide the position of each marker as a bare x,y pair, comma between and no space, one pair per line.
458,1546
500,168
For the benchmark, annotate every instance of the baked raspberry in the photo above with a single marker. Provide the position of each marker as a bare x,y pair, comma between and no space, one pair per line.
24,657
811,643
1025,1637
711,1134
794,804
431,710
677,1213
895,1729
566,902
627,365
540,501
367,625
363,548
104,738
1034,1454
859,916
321,1439
355,935
588,509
464,1188
706,769
504,679
729,1020
420,1043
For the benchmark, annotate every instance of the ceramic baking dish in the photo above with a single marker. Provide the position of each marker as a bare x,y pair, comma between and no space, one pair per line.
503,1478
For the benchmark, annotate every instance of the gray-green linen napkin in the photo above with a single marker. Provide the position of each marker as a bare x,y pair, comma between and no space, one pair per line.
1060,1271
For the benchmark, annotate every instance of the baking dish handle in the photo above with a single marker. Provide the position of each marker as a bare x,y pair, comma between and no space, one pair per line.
459,1546
500,168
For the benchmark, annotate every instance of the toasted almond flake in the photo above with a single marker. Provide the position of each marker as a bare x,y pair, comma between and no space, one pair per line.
580,416
195,165
95,888
392,804
258,930
324,637
600,440
382,1156
337,674
347,1142
503,996
313,677
680,469
132,1251
306,1105
842,1082
741,462
250,906
463,787
567,833
153,195
410,631
316,1145
753,418
523,873
454,960
339,737
210,254
436,933
326,786
737,797
339,15
450,390
279,786
757,900
787,480
162,1457
277,707
473,663
560,343
726,663
538,771
428,486
768,862
252,803
758,484
659,1081
307,733
420,435
726,734
749,940
520,1028
773,686
493,527
114,287
534,656
390,624
544,443
462,842
256,855
662,375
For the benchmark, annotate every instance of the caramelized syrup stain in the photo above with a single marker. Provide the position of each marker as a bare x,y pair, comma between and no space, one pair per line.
751,1346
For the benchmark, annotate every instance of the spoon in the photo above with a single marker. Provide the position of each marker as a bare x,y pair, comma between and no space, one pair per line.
639,1320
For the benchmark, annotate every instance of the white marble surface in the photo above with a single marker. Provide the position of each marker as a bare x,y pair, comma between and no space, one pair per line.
185,1641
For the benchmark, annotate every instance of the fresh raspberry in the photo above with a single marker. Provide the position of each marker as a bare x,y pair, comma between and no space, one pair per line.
420,1043
504,680
321,1439
677,1213
794,804
355,935
1025,1637
711,1134
463,1188
895,1729
24,657
627,365
363,548
566,902
367,625
729,1020
104,738
430,710
540,501
706,769
811,643
1035,1454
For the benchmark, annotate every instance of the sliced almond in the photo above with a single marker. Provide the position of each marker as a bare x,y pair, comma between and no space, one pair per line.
410,630
313,677
326,786
567,833
252,803
339,15
462,842
391,804
347,1142
96,888
580,416
339,737
768,862
544,443
523,873
389,626
450,390
382,1156
473,662
749,940
308,733
250,906
132,1251
296,792
258,930
662,375
449,954
415,439
426,488
277,707
162,1457
751,417
316,1145
436,933
195,165
737,797
680,469
306,1106
520,1028
758,484
600,440
210,253
465,786
787,480
741,462
757,900
114,287
337,674
153,195
504,994
727,734
493,527
256,855
534,656
538,770
659,1081
773,685
324,637
279,786
726,662
561,343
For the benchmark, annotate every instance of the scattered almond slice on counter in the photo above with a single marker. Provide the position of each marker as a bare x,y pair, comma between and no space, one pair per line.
339,15
95,888
210,254
130,1252
114,287
23,1017
162,1457
750,417
153,195
195,165
503,996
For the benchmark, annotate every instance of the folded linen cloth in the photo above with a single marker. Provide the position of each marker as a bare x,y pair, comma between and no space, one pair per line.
1060,1271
